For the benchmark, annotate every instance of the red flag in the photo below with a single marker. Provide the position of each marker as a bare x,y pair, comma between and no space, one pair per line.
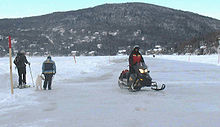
9,41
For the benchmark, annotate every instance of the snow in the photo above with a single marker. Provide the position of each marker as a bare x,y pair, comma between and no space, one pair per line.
1,37
99,46
50,40
66,70
113,33
86,93
206,59
60,30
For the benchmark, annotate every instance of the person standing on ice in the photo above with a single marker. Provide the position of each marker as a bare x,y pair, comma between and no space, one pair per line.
48,69
134,58
20,61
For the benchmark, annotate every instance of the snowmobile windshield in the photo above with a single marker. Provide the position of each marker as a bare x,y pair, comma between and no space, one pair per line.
141,65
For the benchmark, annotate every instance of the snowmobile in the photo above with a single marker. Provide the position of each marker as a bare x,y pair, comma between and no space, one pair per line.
139,79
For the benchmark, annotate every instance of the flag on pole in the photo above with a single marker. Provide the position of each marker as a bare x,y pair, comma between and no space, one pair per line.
10,60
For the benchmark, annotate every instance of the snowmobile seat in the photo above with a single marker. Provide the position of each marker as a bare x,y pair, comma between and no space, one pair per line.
124,74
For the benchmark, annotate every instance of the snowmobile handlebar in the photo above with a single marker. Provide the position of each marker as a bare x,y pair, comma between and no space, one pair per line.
141,64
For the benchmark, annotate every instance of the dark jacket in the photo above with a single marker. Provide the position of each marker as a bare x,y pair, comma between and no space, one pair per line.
135,57
20,60
49,67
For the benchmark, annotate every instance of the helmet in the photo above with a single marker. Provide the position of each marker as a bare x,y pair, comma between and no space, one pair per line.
136,47
22,51
19,53
49,57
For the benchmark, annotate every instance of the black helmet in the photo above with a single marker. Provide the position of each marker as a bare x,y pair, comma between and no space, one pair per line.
136,47
20,52
49,57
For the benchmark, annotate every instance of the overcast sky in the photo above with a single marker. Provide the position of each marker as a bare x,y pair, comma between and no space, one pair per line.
27,8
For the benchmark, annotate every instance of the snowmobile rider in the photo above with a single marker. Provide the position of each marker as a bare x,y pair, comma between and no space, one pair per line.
134,58
48,69
20,61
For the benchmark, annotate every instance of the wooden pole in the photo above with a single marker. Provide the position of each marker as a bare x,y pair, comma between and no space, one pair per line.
74,56
10,60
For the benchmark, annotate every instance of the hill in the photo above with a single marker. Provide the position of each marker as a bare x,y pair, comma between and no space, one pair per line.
105,29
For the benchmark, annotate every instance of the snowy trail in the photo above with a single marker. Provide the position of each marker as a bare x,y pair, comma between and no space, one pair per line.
191,99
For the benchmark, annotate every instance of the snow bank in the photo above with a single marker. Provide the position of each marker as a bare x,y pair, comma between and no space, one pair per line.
67,71
207,59
20,98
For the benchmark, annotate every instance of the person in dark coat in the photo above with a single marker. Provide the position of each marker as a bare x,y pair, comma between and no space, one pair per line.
48,69
134,58
20,61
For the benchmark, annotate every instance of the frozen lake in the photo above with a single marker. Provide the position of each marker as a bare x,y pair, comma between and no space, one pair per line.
87,94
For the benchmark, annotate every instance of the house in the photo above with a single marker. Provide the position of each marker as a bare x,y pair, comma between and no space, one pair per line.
122,52
75,53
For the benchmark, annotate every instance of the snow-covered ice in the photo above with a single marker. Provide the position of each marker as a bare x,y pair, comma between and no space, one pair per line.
207,59
87,94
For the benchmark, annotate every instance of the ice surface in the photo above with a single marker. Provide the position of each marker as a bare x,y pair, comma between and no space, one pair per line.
87,94
207,59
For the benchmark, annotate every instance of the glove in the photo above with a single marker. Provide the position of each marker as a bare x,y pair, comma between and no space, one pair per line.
54,72
144,64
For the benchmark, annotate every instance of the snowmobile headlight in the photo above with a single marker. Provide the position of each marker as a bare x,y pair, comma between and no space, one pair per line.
142,70
146,70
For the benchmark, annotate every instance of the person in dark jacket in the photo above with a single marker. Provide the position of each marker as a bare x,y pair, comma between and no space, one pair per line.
134,58
48,69
20,61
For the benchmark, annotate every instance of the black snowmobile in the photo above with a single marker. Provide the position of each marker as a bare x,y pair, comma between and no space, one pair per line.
139,79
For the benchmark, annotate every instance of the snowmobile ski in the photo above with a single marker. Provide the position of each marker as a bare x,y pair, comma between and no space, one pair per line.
154,86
